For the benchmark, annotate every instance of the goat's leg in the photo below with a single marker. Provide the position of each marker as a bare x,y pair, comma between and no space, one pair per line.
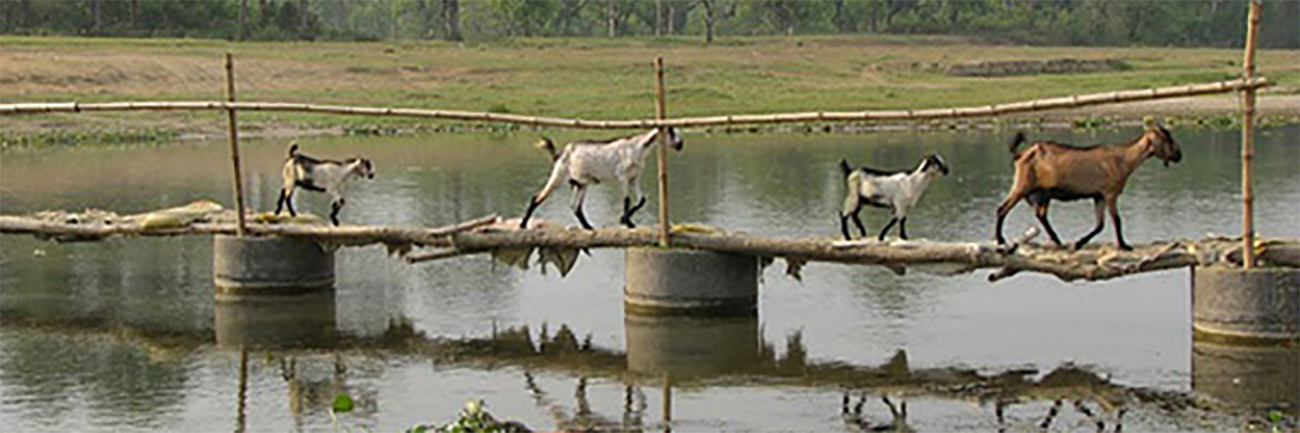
1113,203
288,202
279,204
1040,210
852,204
862,229
887,227
844,227
632,187
1004,209
557,175
1100,205
1098,421
336,206
580,193
1051,414
532,205
627,206
844,224
902,228
629,209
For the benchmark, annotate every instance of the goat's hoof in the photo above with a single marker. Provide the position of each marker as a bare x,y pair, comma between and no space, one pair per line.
1126,247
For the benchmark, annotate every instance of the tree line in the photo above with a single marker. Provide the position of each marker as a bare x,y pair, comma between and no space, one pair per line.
1211,23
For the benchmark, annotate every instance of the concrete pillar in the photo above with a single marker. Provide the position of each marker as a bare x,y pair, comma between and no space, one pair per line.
276,322
269,266
687,347
689,282
1253,378
1235,304
272,292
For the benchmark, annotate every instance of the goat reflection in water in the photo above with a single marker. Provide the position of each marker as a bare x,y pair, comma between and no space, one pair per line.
1047,170
853,419
583,418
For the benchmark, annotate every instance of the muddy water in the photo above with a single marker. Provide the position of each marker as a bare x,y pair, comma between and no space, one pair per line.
122,335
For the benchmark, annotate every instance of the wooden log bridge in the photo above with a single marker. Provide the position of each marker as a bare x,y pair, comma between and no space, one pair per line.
560,246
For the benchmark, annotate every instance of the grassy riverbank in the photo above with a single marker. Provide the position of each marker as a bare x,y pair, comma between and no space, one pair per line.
588,78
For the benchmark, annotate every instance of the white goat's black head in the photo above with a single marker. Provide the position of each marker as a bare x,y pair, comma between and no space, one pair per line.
934,162
674,139
363,167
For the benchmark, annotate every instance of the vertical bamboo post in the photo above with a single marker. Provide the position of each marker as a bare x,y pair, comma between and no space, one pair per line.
665,236
1248,143
234,144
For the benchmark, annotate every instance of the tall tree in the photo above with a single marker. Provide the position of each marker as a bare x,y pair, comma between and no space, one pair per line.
714,11
611,16
243,20
451,20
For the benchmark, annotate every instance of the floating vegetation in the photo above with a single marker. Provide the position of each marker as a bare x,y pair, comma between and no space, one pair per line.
77,138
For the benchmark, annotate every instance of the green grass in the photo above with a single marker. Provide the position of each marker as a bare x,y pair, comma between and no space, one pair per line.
594,78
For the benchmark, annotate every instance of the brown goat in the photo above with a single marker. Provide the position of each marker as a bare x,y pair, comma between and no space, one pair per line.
1047,171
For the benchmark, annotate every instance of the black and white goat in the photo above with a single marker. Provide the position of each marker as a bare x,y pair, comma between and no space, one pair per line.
320,175
894,190
583,163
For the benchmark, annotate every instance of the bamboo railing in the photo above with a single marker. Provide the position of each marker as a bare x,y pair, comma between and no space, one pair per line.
1075,101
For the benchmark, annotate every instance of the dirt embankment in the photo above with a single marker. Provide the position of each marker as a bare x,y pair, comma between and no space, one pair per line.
350,75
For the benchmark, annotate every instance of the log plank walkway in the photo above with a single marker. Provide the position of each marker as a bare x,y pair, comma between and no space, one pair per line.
559,245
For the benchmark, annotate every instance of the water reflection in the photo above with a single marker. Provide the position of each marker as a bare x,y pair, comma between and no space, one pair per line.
1254,379
722,350
276,322
134,385
145,307
690,348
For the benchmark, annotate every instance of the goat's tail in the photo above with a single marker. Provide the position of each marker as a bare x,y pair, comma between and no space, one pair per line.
293,149
549,146
844,167
1016,142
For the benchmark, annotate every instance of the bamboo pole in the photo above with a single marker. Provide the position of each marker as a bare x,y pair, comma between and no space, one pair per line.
1248,142
1075,101
234,145
665,234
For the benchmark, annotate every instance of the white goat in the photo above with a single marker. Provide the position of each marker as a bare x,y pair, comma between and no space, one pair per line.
320,175
584,163
897,191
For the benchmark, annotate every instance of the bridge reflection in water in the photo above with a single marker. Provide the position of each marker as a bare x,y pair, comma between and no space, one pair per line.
316,361
1250,378
276,322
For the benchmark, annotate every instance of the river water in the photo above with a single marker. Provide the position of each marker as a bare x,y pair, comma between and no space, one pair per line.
122,335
